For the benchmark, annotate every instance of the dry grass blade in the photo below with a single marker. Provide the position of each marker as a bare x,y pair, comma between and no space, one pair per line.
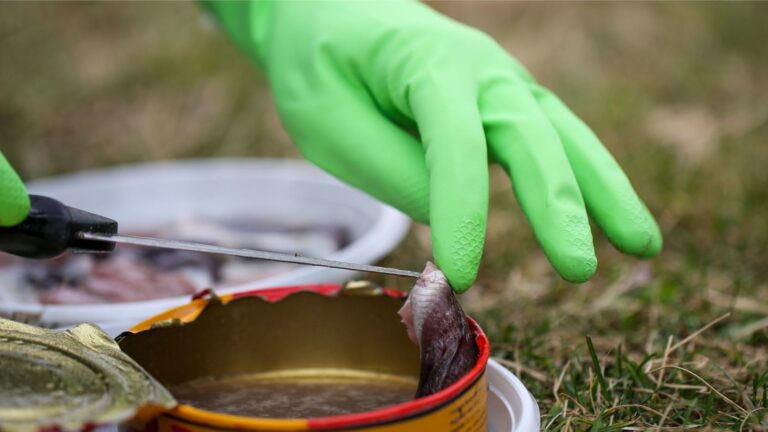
568,421
559,380
700,331
537,375
664,416
710,386
638,406
583,409
750,329
749,414
739,303
667,350
562,413
700,389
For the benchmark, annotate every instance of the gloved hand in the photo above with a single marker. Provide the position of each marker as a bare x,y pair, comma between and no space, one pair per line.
14,201
410,106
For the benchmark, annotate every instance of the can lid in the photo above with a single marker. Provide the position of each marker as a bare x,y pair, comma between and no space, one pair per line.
70,380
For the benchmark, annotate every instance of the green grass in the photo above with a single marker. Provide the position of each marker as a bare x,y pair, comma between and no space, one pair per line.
677,91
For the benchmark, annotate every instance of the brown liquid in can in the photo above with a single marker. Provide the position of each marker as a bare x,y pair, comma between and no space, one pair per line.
296,394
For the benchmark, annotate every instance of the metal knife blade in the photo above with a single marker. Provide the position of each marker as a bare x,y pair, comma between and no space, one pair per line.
246,253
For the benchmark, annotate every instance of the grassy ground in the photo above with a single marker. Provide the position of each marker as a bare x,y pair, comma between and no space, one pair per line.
677,92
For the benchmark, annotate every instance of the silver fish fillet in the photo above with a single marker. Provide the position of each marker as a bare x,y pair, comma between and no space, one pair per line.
437,324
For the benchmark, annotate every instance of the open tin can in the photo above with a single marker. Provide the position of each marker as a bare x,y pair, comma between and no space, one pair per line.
320,337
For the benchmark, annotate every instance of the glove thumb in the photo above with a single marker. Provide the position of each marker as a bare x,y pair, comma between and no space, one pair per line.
14,200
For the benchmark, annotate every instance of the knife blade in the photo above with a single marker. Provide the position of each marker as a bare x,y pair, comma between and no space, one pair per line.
245,253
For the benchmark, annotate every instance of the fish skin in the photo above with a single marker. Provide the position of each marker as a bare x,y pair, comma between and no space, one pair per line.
438,325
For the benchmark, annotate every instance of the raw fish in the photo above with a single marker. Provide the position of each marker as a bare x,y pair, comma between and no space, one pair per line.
437,324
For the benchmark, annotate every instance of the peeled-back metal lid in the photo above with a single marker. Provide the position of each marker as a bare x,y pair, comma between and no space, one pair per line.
70,380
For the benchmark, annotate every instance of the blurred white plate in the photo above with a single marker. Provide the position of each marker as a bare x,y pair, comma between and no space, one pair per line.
146,195
511,407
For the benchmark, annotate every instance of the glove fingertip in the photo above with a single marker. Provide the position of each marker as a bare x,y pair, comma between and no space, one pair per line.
645,245
655,245
460,269
458,251
577,269
638,235
461,279
656,242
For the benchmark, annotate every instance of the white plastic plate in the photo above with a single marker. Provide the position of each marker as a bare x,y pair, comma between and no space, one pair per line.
146,195
511,408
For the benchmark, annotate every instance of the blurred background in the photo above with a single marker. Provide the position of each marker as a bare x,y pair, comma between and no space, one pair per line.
678,93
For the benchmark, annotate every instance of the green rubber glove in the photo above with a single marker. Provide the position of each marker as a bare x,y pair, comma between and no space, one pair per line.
410,106
14,201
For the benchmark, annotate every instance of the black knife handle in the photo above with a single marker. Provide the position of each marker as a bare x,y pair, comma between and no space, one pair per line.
52,228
